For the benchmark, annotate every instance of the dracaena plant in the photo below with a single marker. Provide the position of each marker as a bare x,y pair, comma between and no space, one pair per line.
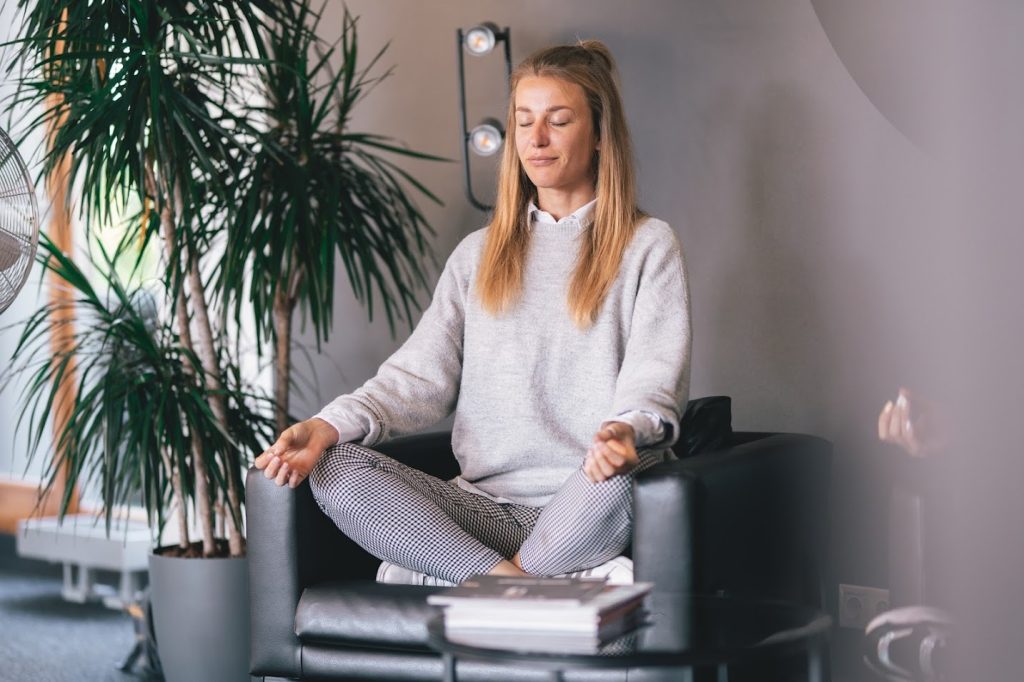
138,403
315,191
153,103
138,96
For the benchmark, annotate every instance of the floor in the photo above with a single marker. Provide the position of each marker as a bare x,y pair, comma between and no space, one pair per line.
46,639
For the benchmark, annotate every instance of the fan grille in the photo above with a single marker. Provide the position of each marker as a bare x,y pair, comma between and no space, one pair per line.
19,222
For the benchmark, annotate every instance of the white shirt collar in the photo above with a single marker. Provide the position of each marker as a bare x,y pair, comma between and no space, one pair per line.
581,217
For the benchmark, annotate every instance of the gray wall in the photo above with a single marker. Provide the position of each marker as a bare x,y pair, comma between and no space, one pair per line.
798,202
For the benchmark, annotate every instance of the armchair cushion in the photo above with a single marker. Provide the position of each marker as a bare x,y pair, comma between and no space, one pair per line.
375,614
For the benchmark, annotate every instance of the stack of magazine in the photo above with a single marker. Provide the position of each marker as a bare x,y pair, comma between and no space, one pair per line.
566,615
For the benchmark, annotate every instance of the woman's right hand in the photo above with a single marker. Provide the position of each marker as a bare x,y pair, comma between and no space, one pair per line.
291,458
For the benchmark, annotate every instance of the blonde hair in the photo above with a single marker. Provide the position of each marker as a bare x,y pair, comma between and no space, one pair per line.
499,282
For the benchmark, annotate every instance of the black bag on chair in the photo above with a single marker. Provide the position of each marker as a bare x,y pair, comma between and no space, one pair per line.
706,425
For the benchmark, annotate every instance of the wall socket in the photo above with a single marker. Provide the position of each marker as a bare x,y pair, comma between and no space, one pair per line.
858,605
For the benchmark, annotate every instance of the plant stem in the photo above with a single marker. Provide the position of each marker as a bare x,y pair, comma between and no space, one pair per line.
282,356
198,456
179,499
185,332
211,370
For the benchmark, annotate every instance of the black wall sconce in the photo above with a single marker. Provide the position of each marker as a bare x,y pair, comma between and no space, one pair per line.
486,138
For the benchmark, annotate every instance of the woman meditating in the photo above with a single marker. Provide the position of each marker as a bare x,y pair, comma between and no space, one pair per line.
560,336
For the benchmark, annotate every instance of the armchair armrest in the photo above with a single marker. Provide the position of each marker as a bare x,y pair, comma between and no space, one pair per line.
272,545
291,545
747,520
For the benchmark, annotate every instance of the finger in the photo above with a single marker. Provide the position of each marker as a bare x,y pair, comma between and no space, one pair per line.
605,434
272,467
606,468
622,433
903,402
883,421
282,475
627,452
588,468
609,455
910,441
285,440
596,473
616,445
295,479
261,461
273,451
895,424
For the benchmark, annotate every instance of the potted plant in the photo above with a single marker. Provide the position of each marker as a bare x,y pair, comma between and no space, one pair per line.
152,102
139,419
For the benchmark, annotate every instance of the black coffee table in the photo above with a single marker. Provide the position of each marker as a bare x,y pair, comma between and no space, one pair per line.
683,631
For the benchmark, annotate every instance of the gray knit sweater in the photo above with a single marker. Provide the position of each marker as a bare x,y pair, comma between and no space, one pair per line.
530,389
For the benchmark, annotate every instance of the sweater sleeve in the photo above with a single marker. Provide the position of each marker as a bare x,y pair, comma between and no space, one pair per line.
419,384
655,372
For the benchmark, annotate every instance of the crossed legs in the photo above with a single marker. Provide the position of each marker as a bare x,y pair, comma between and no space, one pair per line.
404,516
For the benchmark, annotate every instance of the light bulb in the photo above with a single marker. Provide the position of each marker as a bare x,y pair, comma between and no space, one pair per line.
481,38
486,138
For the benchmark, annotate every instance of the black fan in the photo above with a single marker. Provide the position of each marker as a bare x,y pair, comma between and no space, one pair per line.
19,222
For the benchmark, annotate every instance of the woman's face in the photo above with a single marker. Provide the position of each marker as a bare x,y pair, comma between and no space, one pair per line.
555,135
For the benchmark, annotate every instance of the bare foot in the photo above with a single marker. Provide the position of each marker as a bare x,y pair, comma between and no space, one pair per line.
508,568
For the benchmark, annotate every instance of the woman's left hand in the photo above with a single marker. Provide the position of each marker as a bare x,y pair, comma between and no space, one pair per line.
613,452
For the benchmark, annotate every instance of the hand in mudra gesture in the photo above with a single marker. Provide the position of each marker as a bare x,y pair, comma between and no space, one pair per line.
911,424
295,453
612,453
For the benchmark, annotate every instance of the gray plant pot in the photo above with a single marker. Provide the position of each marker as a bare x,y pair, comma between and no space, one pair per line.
201,618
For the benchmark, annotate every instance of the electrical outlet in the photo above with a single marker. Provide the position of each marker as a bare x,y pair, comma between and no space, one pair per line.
858,605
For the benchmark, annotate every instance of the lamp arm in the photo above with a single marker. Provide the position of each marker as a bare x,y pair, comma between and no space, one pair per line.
505,37
464,142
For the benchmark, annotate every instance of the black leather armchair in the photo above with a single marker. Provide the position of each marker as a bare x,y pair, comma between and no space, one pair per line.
740,513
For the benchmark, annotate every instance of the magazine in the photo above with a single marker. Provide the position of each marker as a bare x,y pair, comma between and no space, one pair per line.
516,591
576,619
541,595
547,640
541,614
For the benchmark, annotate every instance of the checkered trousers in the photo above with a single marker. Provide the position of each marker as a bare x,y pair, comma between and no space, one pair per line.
402,515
